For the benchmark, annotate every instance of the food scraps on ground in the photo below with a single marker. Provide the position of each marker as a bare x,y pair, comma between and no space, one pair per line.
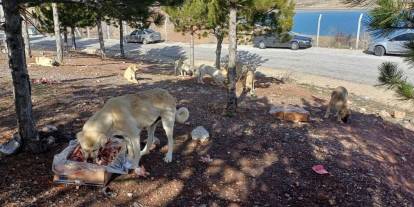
44,80
105,155
320,169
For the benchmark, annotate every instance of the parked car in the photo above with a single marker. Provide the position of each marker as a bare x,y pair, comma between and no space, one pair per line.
296,41
144,36
392,44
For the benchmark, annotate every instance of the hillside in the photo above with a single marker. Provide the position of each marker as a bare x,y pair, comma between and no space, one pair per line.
321,4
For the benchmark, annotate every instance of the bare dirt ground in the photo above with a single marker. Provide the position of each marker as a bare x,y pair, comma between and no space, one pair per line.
256,159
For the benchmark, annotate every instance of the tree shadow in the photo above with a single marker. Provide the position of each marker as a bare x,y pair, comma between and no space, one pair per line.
256,159
247,58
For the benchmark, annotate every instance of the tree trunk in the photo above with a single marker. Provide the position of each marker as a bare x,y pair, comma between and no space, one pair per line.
100,36
219,36
88,33
72,33
21,80
231,75
192,50
59,51
121,38
65,38
26,39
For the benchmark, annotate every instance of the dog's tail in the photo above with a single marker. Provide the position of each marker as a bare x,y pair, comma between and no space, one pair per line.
182,115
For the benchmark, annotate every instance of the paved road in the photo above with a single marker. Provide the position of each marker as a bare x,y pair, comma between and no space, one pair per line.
350,65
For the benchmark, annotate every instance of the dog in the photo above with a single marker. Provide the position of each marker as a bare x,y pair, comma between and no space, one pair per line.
130,73
182,67
248,79
127,115
219,76
339,101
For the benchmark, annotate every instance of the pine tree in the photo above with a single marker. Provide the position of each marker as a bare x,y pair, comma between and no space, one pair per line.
189,17
252,11
71,15
135,13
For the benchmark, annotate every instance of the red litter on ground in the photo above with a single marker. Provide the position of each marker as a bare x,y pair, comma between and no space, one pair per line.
320,169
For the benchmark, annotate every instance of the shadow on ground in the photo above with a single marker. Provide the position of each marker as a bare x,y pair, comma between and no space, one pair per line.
256,159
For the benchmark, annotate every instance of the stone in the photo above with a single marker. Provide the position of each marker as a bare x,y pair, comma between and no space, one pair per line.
362,110
398,114
200,133
384,114
130,72
45,61
51,140
11,146
290,113
49,129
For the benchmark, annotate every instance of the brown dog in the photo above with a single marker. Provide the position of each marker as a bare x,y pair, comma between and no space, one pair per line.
339,100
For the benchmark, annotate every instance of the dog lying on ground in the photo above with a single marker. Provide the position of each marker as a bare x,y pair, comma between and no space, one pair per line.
219,76
339,101
182,67
130,73
126,116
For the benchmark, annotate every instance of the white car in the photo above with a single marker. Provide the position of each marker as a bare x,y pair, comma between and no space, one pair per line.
392,44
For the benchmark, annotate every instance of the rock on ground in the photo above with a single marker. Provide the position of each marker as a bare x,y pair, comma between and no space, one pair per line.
384,114
200,133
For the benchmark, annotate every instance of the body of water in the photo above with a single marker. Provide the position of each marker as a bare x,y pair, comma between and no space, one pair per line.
332,23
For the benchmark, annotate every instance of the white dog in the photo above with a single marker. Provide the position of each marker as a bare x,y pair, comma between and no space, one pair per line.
127,115
219,76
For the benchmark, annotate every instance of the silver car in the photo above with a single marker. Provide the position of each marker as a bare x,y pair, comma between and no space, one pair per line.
392,44
143,36
297,41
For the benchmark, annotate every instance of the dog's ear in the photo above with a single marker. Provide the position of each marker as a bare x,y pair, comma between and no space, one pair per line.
103,139
79,136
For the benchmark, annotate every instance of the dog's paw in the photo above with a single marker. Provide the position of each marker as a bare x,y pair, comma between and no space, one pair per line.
168,158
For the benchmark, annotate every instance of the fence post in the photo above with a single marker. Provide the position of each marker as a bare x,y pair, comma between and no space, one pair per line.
88,32
359,31
318,32
108,30
165,29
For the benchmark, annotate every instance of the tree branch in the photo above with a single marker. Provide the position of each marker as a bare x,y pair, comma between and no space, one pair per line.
55,1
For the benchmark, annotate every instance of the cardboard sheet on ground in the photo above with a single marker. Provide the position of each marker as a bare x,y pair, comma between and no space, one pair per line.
83,173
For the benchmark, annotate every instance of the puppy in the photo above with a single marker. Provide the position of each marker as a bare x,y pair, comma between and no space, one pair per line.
127,115
219,76
130,73
182,67
247,80
339,100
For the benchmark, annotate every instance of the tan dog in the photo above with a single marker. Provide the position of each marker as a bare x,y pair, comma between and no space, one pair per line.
219,76
130,72
248,80
127,115
339,100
